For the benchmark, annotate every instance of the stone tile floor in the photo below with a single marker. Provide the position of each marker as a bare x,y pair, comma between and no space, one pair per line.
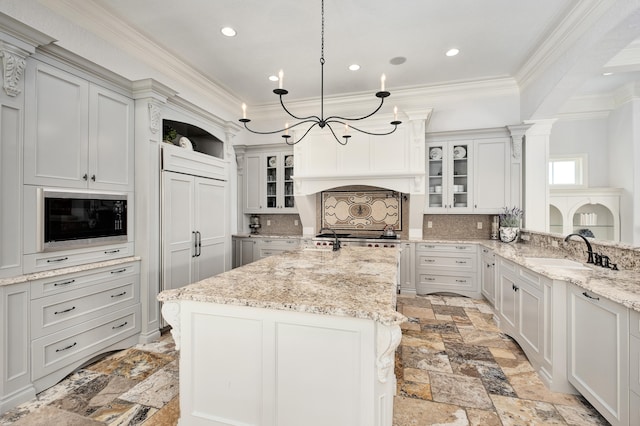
454,367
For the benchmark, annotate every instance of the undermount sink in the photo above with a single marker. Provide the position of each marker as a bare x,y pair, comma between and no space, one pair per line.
552,262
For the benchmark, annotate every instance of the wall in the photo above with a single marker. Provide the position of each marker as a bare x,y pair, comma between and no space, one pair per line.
569,137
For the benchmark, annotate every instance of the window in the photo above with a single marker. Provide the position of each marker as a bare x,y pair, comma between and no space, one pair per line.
568,171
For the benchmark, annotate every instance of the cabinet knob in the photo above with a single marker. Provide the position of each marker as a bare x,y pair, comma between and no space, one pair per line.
85,177
93,178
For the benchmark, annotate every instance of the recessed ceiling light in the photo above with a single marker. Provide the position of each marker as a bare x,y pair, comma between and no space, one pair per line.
354,67
273,77
398,60
607,73
452,52
228,31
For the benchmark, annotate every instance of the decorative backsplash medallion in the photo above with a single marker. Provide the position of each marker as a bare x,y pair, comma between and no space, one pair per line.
361,210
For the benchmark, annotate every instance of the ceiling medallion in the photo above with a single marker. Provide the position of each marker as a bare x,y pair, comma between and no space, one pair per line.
321,121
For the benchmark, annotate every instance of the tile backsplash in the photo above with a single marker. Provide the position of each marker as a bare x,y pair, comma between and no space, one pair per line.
456,226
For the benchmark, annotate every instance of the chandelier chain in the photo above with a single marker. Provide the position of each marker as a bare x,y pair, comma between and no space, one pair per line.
322,35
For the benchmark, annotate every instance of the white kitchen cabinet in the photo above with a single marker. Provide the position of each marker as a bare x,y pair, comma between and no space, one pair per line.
193,228
521,308
243,252
488,275
491,175
634,367
269,182
447,268
77,134
598,352
407,268
450,177
265,247
15,368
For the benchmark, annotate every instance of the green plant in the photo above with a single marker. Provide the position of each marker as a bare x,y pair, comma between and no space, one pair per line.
170,135
511,217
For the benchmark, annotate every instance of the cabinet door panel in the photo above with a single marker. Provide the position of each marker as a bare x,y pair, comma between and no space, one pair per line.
598,353
253,197
57,129
492,175
210,221
178,228
531,311
110,140
508,302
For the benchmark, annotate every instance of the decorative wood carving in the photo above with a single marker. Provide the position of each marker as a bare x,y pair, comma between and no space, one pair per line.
388,340
171,313
13,64
154,118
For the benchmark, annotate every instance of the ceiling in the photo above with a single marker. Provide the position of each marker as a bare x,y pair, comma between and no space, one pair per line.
495,38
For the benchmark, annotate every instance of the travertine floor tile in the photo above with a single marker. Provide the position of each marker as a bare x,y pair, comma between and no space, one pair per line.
459,390
416,412
518,412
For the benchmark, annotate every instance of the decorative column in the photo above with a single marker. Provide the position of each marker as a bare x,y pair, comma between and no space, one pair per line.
150,97
417,128
536,175
517,133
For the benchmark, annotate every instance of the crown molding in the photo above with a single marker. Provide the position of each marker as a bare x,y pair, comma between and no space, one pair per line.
23,36
574,25
100,21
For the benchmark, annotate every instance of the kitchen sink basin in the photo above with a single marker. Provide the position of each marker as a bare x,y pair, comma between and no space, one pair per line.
552,262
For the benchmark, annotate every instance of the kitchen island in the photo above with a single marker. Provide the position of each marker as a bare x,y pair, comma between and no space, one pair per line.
303,338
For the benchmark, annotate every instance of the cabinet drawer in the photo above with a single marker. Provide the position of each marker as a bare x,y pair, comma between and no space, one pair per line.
69,282
530,277
429,283
60,311
457,248
57,350
506,265
446,261
60,259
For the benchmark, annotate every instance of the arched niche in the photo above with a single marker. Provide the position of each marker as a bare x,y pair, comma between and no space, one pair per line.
603,224
556,220
201,140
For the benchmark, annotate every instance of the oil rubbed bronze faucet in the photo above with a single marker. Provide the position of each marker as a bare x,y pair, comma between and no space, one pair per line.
589,248
336,243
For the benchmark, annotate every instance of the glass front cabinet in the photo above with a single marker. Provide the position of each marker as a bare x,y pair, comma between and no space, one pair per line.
450,171
269,183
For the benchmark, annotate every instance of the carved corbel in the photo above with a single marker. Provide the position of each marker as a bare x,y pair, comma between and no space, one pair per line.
154,118
388,339
13,64
171,313
516,147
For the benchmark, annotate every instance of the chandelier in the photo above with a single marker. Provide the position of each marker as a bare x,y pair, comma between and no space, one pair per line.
321,121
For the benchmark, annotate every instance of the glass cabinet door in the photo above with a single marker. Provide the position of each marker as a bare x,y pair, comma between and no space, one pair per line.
288,182
460,186
272,181
437,169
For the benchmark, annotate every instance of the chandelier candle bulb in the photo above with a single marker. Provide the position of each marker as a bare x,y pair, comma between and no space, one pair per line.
286,128
280,77
395,113
244,110
382,79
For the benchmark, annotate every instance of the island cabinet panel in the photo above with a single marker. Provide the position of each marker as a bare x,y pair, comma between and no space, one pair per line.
447,268
241,365
634,368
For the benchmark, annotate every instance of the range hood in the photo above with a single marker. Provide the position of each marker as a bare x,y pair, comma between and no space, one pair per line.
395,162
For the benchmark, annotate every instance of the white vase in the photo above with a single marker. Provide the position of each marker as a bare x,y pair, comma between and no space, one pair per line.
509,234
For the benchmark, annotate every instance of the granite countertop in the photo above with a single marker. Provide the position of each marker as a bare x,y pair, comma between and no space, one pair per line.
619,286
68,270
354,282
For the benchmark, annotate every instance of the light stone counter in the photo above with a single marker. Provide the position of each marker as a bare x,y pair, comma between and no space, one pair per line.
619,286
355,282
63,271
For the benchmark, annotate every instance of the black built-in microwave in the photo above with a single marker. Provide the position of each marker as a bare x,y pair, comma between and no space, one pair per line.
76,219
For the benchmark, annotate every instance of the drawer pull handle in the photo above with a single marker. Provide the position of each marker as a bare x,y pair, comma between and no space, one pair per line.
429,279
462,262
60,259
429,260
590,297
461,247
65,311
461,281
68,347
112,251
64,283
119,294
119,326
119,271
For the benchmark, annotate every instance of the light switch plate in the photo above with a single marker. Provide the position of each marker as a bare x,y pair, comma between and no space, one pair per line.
429,224
479,225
